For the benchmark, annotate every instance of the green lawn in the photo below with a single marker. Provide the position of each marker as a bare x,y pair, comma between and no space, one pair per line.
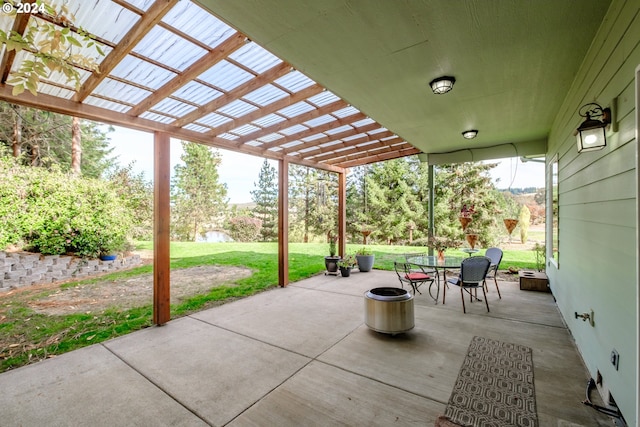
27,336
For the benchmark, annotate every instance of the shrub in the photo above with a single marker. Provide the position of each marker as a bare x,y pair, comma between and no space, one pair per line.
55,213
524,220
244,228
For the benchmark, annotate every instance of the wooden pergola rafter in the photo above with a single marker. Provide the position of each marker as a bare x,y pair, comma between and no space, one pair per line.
259,105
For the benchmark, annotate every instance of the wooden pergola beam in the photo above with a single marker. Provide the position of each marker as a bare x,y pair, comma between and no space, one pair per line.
317,150
267,77
283,223
356,150
368,153
161,221
299,119
153,15
379,158
221,51
19,26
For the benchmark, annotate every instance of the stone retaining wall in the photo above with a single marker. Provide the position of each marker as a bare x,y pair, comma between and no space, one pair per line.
24,268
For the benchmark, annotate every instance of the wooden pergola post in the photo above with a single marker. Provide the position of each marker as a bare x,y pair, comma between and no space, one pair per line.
342,213
161,221
283,222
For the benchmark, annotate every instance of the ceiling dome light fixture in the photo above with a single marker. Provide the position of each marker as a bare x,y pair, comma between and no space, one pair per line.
470,134
442,84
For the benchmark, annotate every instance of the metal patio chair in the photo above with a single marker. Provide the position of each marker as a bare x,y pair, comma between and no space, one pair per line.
495,255
415,279
473,272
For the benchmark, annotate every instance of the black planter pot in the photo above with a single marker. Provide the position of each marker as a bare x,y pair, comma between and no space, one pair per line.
345,271
331,263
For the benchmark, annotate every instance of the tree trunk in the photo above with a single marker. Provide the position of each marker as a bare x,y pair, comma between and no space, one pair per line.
76,146
17,133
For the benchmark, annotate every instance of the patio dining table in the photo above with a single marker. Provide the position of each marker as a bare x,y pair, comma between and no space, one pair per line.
430,262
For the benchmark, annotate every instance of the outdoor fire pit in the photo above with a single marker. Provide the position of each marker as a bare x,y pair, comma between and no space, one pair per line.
388,310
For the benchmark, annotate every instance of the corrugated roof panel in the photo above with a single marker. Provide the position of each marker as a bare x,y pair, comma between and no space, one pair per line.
156,117
173,107
320,121
270,138
346,112
363,122
323,98
55,77
55,91
268,120
237,108
123,92
349,138
254,143
103,18
225,75
265,95
168,48
314,137
296,109
141,4
196,128
294,129
142,72
198,23
294,81
109,105
380,129
255,57
6,22
228,136
244,130
339,129
213,120
290,144
329,144
197,93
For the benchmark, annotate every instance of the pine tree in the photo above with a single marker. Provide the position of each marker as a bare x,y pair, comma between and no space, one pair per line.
265,196
198,199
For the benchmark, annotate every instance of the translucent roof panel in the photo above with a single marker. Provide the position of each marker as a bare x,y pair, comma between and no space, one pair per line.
268,120
194,21
346,112
102,18
225,75
110,105
197,93
173,108
156,117
142,72
197,128
339,129
363,122
270,138
294,129
117,90
237,108
228,136
320,121
265,95
167,48
255,57
213,120
294,81
56,91
141,4
245,130
296,109
323,98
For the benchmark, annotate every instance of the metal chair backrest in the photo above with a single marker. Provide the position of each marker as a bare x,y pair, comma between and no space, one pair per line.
495,255
474,270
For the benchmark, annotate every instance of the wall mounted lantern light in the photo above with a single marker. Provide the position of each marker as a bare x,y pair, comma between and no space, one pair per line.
470,134
591,134
442,84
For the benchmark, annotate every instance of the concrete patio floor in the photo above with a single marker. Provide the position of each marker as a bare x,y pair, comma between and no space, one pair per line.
297,356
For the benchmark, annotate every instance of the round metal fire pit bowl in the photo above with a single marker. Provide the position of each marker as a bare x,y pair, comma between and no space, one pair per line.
389,310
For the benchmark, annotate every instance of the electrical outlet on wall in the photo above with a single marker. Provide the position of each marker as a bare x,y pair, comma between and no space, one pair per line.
615,358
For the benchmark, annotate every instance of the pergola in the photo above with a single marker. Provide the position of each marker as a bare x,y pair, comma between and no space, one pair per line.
173,68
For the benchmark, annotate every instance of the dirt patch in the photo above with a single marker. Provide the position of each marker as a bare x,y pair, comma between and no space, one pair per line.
128,293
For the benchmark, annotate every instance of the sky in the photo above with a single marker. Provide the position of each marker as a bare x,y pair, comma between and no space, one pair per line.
240,171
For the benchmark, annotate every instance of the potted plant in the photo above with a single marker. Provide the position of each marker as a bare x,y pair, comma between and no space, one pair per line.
365,259
346,264
331,261
441,244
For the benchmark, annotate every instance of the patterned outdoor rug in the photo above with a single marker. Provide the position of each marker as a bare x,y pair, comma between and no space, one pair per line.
494,386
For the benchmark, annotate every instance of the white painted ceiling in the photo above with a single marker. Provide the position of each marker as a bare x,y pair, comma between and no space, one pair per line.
514,60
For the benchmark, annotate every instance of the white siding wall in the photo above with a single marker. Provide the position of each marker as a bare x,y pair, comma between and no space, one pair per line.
597,268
